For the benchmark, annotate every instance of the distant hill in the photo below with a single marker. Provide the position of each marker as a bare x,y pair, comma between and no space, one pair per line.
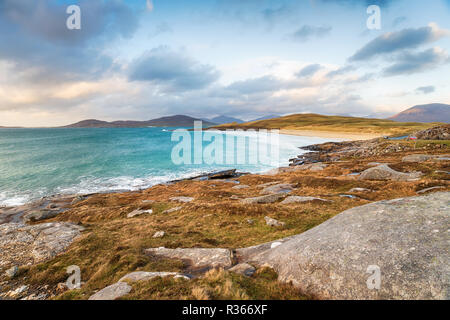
317,122
435,112
225,119
172,121
271,116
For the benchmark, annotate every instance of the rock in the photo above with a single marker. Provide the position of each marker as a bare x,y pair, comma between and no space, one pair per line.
35,296
112,292
271,198
19,291
40,215
407,239
182,199
172,210
435,133
234,197
264,185
383,172
148,201
374,164
417,158
430,189
278,188
61,287
159,234
11,272
145,276
360,190
244,269
242,186
138,212
312,166
251,221
195,257
21,244
298,199
273,223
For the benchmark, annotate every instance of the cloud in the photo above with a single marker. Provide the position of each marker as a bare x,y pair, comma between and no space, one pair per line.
309,70
381,3
395,41
173,71
341,71
306,32
409,63
425,90
256,85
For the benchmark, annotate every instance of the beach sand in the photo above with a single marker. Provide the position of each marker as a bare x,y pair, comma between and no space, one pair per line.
346,136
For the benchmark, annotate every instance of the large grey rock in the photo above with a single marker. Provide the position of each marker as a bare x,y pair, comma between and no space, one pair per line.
271,198
278,188
384,172
244,269
112,292
20,244
138,212
195,257
407,239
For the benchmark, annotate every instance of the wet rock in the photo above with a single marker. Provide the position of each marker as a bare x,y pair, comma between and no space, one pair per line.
244,269
407,239
384,172
278,188
299,199
40,215
273,222
138,212
21,244
182,199
112,292
159,234
195,257
145,276
271,198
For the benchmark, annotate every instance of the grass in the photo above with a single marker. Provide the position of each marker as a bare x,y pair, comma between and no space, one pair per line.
317,122
112,244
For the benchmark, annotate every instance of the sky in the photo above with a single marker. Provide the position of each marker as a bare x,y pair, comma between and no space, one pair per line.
143,59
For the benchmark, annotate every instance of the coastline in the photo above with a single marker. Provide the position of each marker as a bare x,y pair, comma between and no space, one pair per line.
344,136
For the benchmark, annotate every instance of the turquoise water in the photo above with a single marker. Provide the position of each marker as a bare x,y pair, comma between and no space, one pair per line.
39,162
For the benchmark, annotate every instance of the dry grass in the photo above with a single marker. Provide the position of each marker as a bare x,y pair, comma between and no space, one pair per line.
113,244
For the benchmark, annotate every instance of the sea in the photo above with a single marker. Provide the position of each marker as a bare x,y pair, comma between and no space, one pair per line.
40,162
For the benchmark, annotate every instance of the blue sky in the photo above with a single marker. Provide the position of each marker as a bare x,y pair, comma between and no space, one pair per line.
247,59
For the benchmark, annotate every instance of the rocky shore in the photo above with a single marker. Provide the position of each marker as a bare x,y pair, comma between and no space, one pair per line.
310,230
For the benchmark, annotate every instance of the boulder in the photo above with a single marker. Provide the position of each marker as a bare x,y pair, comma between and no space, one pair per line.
159,234
21,244
417,158
172,209
145,276
138,212
112,292
271,198
195,257
319,166
299,199
244,269
406,240
182,199
383,172
273,223
278,188
40,215
11,272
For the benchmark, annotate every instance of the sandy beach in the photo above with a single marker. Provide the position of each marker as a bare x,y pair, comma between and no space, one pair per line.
346,136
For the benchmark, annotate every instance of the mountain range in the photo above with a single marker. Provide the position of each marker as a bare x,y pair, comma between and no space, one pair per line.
427,113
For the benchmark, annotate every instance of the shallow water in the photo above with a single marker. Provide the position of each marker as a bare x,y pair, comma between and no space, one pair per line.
39,162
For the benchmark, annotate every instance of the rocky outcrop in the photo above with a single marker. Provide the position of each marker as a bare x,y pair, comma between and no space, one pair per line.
384,172
196,258
21,245
138,212
244,269
112,292
145,276
417,158
271,198
405,239
182,199
278,188
435,133
299,199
